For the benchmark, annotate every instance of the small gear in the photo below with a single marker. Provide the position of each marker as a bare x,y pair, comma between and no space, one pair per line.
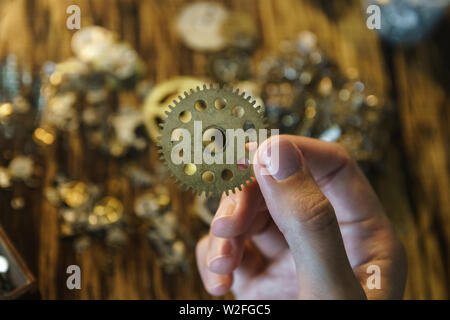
219,108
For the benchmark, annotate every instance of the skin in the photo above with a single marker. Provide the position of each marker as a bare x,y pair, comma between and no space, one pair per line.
307,230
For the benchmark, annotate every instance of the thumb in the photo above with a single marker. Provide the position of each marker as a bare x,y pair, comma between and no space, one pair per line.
307,220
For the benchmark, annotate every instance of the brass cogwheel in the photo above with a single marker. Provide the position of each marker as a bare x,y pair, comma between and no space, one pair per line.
220,109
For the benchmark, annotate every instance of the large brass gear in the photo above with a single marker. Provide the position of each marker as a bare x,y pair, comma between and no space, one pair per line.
222,177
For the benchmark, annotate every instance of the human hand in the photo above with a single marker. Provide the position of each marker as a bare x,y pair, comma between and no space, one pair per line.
317,224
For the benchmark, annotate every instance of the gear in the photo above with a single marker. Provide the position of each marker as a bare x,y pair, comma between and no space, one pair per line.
157,101
221,109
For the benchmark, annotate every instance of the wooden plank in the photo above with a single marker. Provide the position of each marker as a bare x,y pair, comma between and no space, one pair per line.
35,30
423,101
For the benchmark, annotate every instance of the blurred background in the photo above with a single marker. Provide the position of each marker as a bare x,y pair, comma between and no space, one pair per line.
81,182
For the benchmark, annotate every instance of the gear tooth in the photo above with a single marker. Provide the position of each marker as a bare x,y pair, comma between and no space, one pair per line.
159,138
161,125
240,187
167,112
180,98
186,94
204,87
253,102
192,90
198,89
161,157
211,86
237,91
175,102
249,98
243,94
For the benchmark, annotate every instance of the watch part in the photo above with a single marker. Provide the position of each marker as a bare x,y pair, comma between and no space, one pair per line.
218,109
199,25
163,94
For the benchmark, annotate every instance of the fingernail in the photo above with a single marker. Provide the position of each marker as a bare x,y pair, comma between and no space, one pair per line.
281,159
226,208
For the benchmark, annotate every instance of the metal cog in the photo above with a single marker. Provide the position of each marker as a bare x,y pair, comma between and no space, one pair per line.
237,111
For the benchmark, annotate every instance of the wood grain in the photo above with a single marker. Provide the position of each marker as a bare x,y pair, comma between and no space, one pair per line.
413,183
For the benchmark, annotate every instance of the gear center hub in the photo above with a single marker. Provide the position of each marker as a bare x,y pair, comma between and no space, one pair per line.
214,137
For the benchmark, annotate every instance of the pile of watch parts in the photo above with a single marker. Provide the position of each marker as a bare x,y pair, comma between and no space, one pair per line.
98,94
97,84
88,213
20,165
101,94
303,92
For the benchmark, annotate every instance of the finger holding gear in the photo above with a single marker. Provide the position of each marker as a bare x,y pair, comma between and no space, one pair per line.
216,109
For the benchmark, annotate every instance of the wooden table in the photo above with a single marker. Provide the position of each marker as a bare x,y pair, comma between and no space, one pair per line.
413,183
